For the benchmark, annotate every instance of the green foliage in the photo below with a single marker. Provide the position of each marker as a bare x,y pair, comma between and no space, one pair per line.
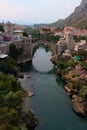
29,115
79,38
15,100
48,36
82,54
8,127
9,83
84,65
61,63
15,52
8,115
64,64
77,85
30,119
9,66
83,92
71,63
1,28
11,99
36,35
51,38
25,34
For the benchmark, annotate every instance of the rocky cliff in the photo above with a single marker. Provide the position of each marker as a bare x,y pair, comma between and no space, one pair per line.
77,19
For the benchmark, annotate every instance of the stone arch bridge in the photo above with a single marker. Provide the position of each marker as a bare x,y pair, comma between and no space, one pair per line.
36,45
31,48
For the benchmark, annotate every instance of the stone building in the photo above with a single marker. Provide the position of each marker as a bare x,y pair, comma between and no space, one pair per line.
18,34
61,46
82,45
66,43
9,28
70,41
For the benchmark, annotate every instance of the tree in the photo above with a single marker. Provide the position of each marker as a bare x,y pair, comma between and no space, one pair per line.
71,63
79,38
1,28
82,54
11,100
25,34
83,92
5,126
15,52
9,66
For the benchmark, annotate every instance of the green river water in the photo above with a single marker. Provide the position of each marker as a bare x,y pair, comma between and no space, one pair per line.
50,102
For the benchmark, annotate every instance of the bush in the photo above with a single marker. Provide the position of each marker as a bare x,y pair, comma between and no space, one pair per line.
83,92
11,99
9,66
77,86
15,52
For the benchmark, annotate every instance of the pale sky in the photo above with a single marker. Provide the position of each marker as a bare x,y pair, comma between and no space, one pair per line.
36,11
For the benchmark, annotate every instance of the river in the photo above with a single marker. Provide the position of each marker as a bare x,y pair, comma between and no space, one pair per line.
50,102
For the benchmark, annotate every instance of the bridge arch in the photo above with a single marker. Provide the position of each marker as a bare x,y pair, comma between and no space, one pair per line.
35,46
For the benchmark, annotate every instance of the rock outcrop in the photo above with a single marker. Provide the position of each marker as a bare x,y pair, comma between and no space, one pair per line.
78,106
77,19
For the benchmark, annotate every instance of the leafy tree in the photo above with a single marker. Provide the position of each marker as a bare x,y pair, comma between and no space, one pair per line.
71,63
84,65
15,52
25,34
11,100
79,38
83,92
47,36
8,115
61,63
82,54
6,126
15,100
77,85
1,28
9,66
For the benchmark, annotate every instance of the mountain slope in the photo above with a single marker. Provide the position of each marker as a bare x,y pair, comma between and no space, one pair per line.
77,19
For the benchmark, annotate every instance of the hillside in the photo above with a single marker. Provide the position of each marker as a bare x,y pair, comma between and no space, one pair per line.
77,19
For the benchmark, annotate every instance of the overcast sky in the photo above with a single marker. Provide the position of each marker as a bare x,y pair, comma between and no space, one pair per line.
36,11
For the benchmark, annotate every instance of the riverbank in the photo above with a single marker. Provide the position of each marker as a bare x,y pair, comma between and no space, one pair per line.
75,78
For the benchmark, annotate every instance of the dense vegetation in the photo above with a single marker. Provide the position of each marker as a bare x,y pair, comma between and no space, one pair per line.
9,65
15,52
25,34
48,36
12,116
11,100
1,28
79,38
64,66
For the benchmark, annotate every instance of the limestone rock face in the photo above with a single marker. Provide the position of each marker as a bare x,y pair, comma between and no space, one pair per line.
77,19
30,94
78,106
